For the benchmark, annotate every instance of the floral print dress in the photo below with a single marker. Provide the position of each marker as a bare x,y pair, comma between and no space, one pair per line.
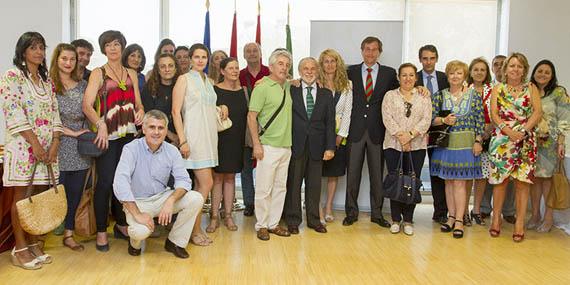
27,107
555,121
509,158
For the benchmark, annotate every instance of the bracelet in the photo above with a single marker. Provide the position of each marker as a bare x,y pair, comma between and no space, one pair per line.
443,120
99,122
478,141
501,125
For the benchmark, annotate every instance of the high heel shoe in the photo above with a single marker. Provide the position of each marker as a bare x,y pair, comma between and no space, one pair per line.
458,233
518,237
467,220
30,265
44,258
478,219
446,228
118,234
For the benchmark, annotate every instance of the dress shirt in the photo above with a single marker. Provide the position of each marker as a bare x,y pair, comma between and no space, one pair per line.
374,74
313,93
142,173
433,80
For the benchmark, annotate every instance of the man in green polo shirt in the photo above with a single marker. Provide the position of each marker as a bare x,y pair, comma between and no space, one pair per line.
273,149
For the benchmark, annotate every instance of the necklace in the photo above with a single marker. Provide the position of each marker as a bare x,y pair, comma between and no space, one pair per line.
122,83
43,90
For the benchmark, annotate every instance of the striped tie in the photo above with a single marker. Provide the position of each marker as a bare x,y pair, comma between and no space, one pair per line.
310,102
368,88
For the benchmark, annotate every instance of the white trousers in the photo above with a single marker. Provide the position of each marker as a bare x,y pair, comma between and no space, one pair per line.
187,208
271,186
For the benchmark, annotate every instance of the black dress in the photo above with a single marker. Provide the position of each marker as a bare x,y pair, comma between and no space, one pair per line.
232,140
336,167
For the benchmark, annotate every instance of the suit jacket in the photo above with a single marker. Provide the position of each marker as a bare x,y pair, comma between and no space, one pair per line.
367,115
442,82
317,132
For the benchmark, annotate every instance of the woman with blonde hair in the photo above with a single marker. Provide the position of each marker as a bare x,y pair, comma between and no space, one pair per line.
214,65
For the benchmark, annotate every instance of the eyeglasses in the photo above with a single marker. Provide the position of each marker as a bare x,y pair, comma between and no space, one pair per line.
408,106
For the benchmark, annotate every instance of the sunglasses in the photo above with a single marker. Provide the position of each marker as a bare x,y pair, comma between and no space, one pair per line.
408,106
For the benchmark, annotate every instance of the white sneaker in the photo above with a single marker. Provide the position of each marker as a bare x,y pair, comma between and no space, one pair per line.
395,228
408,229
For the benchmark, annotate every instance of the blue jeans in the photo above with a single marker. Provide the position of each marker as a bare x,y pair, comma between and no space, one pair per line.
73,183
247,188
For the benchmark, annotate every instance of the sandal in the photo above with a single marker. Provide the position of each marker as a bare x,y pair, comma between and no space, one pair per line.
478,219
545,227
76,247
494,233
30,265
229,222
44,258
518,237
199,240
445,228
214,224
458,233
467,220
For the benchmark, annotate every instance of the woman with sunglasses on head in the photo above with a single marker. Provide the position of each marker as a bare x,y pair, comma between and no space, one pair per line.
407,117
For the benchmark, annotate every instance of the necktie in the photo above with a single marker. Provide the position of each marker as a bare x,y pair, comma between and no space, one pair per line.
310,102
368,89
429,85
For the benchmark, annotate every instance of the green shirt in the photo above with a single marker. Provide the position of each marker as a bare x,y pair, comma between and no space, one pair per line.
265,100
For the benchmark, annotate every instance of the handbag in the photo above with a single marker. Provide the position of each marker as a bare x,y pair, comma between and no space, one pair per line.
404,188
222,124
42,213
438,136
85,224
559,195
86,145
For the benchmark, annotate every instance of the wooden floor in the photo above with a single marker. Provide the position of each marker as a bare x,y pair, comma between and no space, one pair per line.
361,254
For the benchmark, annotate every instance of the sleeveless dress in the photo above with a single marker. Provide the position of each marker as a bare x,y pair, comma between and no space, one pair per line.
457,161
199,116
26,108
507,157
232,140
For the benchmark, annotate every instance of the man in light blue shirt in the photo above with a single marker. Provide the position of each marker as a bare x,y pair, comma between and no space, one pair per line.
141,185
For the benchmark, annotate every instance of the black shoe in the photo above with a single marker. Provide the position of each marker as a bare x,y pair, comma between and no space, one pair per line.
118,234
348,220
133,251
179,252
102,248
249,211
458,233
381,222
445,228
510,219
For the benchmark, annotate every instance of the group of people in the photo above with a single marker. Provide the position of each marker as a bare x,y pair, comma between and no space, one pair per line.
166,149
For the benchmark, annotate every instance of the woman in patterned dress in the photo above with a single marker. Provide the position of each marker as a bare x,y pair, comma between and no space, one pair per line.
33,130
73,167
550,138
459,162
515,110
480,80
194,114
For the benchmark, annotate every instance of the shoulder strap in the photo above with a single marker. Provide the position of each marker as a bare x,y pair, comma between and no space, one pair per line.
103,102
264,128
246,92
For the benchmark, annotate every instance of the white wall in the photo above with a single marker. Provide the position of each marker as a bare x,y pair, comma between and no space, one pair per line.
48,17
540,30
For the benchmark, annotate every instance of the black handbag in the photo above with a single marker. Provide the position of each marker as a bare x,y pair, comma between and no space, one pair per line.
438,136
404,188
86,146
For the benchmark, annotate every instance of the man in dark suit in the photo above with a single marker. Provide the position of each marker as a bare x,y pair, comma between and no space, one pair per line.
313,141
371,81
434,81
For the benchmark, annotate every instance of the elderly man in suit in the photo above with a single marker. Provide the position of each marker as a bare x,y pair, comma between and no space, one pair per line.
371,81
313,141
434,81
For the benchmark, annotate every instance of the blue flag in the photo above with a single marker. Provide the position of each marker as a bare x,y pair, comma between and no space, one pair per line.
207,35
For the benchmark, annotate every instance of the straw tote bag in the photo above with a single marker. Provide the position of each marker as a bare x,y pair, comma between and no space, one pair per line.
85,224
559,195
41,213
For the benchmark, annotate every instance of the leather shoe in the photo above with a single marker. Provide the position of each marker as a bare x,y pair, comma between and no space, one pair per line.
102,248
118,234
249,211
348,221
294,230
510,219
179,252
133,251
280,231
263,234
320,228
381,222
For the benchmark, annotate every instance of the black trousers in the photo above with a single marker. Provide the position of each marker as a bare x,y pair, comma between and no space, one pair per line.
399,209
73,183
106,166
303,168
375,159
438,194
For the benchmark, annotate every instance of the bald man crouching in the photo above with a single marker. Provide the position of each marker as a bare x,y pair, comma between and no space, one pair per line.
141,185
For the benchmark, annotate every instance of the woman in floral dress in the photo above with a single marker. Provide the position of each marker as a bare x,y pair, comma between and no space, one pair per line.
515,110
33,130
555,119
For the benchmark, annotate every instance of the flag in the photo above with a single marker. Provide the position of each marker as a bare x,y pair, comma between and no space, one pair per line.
258,30
233,42
288,44
207,29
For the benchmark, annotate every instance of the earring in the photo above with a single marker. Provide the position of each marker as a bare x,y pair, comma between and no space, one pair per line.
24,63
